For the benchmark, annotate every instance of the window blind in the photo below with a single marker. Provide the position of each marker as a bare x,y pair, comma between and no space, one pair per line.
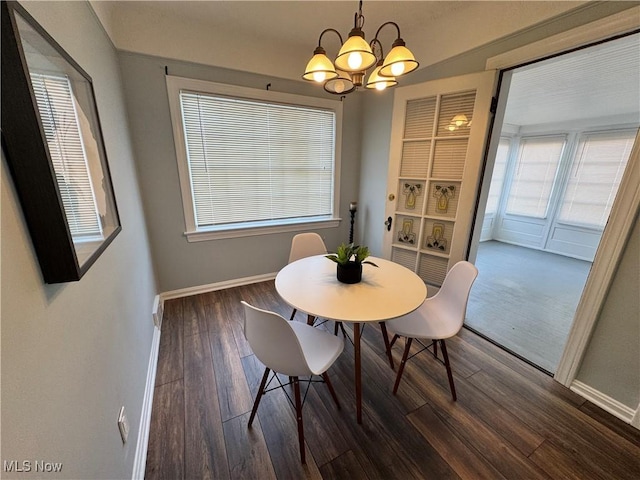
57,109
251,161
533,179
594,178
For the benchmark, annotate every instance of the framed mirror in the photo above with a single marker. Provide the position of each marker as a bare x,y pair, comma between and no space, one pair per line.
52,140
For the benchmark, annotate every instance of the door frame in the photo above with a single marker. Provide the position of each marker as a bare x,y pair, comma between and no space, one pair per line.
627,203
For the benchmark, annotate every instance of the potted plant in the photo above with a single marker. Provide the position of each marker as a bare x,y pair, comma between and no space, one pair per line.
350,259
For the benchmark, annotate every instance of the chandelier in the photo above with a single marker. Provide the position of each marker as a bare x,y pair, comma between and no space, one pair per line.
355,57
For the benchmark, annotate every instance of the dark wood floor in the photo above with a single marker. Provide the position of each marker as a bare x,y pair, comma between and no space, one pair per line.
510,421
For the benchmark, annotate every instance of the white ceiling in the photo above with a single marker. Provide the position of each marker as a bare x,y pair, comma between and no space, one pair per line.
600,81
277,38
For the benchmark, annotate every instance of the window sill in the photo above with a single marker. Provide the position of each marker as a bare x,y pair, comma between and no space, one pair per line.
235,232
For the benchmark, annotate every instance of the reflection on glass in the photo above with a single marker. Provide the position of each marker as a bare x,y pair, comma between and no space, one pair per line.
67,113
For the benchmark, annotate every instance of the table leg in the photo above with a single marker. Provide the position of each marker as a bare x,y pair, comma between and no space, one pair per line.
358,379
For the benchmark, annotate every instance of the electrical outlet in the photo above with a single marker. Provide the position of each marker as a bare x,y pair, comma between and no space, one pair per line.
157,312
123,425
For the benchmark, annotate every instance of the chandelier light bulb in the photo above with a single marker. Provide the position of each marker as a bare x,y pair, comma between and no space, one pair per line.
319,76
381,86
338,86
397,69
355,60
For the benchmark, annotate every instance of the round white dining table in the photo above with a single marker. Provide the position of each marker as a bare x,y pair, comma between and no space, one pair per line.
385,292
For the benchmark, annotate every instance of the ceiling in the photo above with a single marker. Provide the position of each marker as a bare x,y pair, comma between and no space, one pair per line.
600,81
277,38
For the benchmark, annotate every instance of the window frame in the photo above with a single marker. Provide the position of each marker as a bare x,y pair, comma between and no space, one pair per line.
194,234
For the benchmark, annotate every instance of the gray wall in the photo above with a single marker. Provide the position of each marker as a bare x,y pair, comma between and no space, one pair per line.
616,374
612,362
73,353
180,264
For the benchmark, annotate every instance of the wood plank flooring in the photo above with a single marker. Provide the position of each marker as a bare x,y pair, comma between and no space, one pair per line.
511,421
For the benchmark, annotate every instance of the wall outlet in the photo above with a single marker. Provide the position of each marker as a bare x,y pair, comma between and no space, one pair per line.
158,311
123,425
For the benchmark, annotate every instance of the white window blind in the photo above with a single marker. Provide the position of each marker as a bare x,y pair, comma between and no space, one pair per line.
595,175
57,108
252,162
497,179
533,179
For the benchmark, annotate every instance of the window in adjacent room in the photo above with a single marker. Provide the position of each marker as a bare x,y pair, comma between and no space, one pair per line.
253,161
596,172
534,176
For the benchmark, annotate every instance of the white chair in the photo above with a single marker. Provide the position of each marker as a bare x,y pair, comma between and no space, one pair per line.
306,245
293,349
438,318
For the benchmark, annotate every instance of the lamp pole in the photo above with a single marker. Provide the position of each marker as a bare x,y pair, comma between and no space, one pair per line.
353,208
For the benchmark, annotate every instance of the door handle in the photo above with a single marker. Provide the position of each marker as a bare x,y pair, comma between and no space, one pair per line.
388,223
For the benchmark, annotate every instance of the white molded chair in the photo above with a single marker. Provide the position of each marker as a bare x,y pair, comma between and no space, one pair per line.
306,245
438,318
293,349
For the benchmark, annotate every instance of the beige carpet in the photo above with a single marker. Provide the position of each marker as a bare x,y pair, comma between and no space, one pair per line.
525,300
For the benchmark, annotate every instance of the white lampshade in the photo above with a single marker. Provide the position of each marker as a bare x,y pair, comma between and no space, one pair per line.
319,69
341,85
399,61
378,82
460,120
355,55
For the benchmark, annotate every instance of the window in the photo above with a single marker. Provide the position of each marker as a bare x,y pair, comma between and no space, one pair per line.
253,161
533,179
497,179
61,127
595,175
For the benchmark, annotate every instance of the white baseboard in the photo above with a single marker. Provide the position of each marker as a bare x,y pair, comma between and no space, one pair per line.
140,460
614,407
212,287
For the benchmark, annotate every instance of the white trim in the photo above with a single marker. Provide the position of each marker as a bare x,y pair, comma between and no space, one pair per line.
211,287
140,460
622,22
203,235
611,405
614,239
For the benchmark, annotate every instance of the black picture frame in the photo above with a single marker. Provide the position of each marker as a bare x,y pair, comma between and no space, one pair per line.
64,254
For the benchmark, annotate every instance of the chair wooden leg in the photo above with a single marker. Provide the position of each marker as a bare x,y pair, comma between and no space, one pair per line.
296,389
293,314
405,355
336,325
449,373
387,346
435,348
311,320
325,377
259,395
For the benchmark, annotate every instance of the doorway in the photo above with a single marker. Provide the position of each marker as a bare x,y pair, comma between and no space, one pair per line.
568,128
